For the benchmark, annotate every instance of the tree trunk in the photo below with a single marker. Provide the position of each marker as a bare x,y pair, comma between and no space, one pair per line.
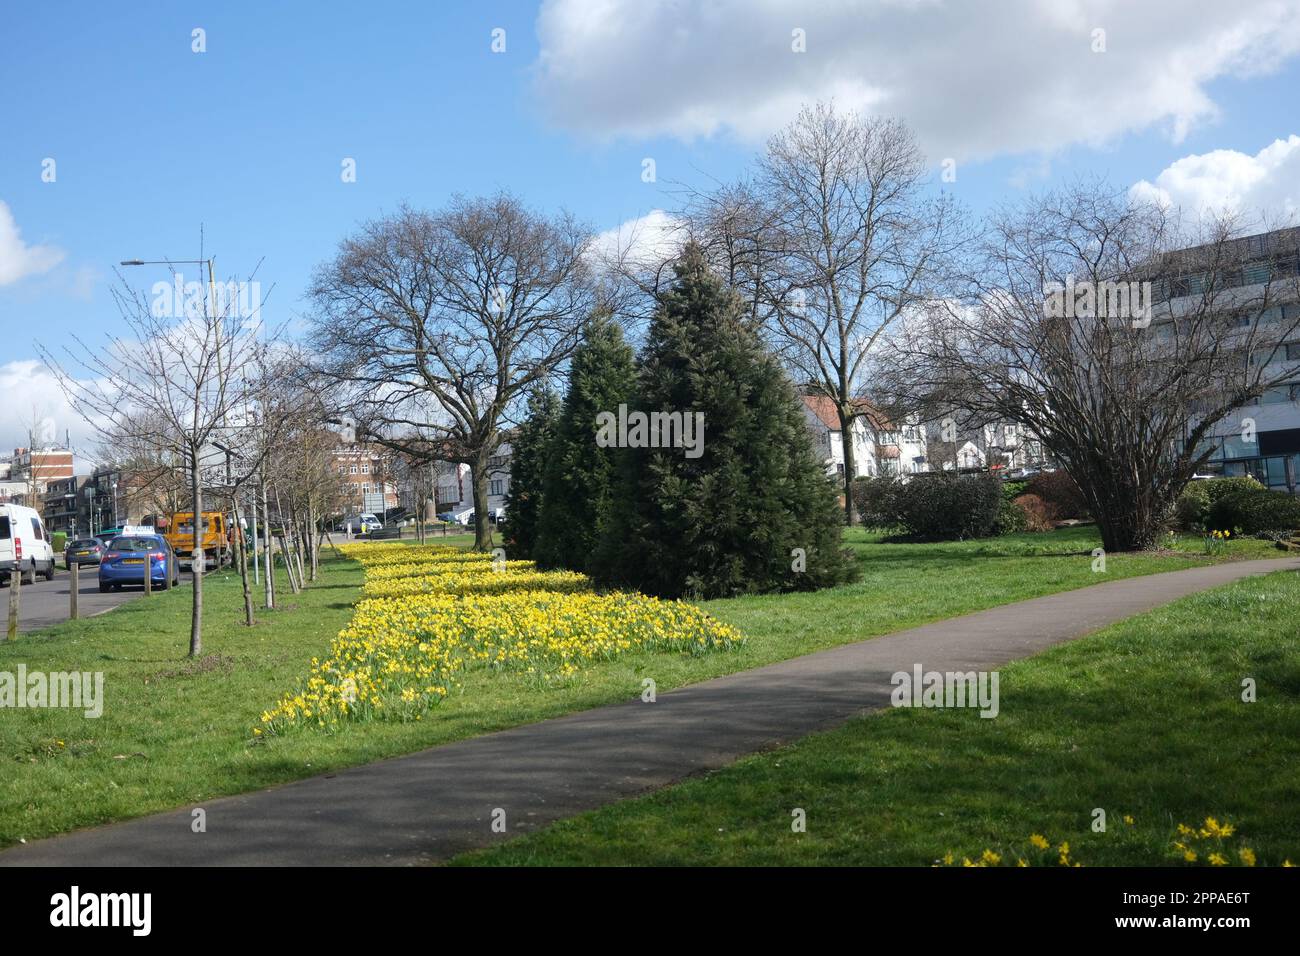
196,557
242,559
850,466
298,547
257,557
288,564
482,526
1127,514
313,541
268,559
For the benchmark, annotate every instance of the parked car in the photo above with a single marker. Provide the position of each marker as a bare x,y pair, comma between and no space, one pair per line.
83,551
24,544
127,556
371,522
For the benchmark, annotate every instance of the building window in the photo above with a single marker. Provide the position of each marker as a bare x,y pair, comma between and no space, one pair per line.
365,468
496,486
352,470
1256,273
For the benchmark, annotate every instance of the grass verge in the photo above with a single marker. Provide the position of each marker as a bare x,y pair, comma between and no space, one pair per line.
176,732
1144,720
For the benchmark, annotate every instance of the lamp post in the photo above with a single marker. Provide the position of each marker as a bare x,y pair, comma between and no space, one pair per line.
197,560
212,293
212,283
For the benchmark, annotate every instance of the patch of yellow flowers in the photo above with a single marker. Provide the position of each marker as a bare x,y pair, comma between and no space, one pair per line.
414,634
1195,845
463,578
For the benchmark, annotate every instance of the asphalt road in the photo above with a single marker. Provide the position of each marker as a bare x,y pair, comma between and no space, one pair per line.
46,602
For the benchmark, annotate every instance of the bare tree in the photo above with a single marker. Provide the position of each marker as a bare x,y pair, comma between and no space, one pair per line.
154,478
436,324
277,402
833,240
171,381
1119,337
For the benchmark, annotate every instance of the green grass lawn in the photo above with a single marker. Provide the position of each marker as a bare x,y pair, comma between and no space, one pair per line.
1143,720
175,732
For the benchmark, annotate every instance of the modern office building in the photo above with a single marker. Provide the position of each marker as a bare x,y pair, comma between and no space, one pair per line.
1272,421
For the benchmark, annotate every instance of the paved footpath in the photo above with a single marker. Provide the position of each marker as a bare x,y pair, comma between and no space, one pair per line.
429,806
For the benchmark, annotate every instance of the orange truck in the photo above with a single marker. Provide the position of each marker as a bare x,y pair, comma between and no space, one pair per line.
216,538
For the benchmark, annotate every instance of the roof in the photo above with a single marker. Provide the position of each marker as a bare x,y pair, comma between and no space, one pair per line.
824,408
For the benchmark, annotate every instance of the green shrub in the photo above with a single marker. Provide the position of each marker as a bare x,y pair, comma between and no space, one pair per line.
874,499
1217,488
1011,490
941,507
1192,506
1011,518
1061,492
1256,511
59,541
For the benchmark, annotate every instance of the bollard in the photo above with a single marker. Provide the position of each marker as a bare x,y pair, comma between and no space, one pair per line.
73,589
15,582
148,573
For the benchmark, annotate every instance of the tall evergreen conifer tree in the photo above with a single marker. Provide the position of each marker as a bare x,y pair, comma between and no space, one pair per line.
528,451
755,511
579,473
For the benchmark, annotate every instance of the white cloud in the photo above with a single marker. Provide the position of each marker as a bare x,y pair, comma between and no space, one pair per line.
34,401
974,79
645,240
17,259
1225,180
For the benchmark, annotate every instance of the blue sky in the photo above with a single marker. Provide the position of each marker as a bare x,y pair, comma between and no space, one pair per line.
153,141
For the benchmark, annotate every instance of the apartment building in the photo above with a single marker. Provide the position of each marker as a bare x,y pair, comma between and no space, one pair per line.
1272,421
979,446
33,469
455,486
65,507
880,446
368,478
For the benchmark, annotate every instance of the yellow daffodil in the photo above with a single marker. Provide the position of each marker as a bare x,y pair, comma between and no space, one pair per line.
431,613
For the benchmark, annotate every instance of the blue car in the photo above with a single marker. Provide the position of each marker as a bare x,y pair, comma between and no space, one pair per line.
125,558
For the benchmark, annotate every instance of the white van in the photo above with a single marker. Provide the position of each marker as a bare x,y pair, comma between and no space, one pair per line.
24,544
354,523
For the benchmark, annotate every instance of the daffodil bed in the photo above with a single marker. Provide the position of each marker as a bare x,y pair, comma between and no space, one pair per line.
414,635
463,578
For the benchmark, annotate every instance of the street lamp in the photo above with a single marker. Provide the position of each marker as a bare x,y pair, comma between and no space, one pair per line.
212,296
212,282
